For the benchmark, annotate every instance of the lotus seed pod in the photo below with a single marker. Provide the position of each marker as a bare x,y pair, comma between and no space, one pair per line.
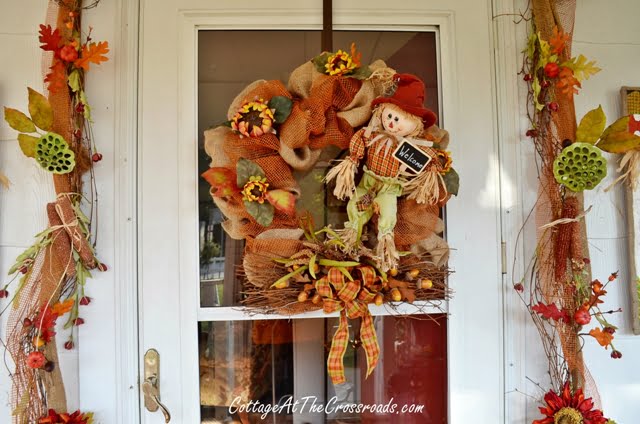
580,166
54,154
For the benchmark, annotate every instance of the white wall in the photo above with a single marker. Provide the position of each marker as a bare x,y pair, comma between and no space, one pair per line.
22,207
607,32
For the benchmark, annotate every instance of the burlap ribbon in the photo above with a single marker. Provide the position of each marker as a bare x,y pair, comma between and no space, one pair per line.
351,298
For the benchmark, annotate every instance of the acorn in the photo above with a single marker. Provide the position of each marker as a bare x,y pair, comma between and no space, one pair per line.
303,296
413,274
396,295
282,284
378,299
425,283
393,272
316,299
49,366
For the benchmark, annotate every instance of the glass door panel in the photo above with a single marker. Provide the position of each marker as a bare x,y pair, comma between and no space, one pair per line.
228,61
248,368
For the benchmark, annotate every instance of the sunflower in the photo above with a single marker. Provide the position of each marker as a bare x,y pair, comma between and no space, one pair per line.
253,119
445,161
569,409
255,190
343,63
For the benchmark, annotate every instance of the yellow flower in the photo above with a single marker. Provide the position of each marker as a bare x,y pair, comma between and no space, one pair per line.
253,119
255,190
343,63
445,160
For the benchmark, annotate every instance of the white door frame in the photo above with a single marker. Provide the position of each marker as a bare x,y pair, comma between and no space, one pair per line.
469,394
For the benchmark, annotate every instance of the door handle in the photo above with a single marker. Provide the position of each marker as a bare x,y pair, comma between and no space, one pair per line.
151,384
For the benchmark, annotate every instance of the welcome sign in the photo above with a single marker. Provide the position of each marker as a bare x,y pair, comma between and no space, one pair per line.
411,156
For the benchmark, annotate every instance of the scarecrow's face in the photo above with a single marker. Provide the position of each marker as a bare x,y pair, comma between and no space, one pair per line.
397,122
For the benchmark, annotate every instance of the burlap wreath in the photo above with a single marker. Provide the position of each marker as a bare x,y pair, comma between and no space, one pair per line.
326,111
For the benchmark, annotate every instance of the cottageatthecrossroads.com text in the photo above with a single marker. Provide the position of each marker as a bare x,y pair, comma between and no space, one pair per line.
311,404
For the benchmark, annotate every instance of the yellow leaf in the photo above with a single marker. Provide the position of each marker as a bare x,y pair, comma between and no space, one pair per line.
591,126
18,120
617,138
28,144
40,110
581,68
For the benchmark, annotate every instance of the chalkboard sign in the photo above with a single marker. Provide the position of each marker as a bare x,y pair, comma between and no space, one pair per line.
411,156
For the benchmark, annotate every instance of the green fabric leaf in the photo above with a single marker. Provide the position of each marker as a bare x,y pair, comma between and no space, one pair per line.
591,126
18,120
74,80
361,73
262,213
320,61
452,181
40,110
282,106
245,169
617,138
28,144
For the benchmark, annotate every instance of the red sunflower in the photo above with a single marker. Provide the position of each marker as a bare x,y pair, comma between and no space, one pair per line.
569,409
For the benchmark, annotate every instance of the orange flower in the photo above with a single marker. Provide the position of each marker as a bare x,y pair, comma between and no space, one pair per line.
36,360
253,119
604,338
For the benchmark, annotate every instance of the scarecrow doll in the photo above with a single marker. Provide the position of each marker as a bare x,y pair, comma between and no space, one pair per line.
396,163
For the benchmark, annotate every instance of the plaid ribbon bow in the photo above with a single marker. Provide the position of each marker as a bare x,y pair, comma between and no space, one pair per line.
351,298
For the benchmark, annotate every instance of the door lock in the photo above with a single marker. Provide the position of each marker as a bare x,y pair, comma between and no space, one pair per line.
151,384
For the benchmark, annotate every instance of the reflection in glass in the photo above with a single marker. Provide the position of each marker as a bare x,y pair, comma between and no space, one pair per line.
278,362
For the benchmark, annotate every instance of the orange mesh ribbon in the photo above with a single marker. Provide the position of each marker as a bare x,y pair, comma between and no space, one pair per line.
351,298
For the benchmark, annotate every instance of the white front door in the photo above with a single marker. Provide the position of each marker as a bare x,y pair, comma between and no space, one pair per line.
196,326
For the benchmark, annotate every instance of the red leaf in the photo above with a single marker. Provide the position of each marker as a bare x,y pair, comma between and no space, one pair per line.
551,312
57,78
45,322
92,53
222,180
50,39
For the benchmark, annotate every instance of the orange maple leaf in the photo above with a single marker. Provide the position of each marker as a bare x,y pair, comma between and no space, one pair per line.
567,83
558,41
92,53
57,78
603,338
62,308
